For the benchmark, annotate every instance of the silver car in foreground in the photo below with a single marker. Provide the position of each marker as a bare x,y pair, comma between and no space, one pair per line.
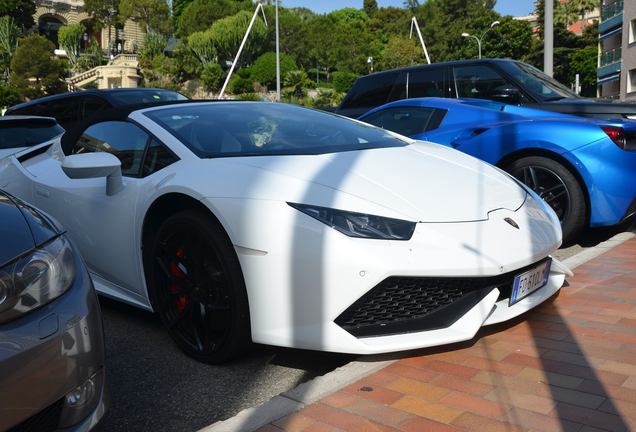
52,370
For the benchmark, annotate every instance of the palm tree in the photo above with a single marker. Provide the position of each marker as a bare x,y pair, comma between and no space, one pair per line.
584,7
295,81
566,13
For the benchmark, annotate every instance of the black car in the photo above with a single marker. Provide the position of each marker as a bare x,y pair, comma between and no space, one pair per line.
52,353
508,81
70,108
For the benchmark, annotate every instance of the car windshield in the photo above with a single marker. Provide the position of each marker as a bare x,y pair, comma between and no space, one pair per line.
542,86
27,132
134,96
221,129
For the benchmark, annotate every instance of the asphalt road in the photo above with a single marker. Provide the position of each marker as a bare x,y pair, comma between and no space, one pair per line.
154,387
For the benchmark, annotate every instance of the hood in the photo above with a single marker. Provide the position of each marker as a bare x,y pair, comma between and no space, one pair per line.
425,182
22,228
14,230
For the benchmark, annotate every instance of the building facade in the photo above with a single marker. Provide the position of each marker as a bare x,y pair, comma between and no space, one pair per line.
617,50
51,15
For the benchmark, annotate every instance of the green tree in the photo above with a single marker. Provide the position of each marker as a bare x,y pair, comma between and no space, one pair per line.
584,62
264,68
443,21
511,39
154,45
370,7
8,96
199,15
8,41
202,45
584,7
212,76
297,80
185,65
343,81
390,20
401,52
69,38
350,16
178,6
411,5
150,14
21,11
103,13
34,60
566,14
228,33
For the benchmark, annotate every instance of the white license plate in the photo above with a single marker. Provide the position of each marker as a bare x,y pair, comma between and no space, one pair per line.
530,281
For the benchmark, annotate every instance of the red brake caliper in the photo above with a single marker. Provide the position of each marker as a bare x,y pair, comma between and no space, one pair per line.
182,299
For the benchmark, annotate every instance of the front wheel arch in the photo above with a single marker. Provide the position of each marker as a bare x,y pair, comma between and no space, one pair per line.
512,157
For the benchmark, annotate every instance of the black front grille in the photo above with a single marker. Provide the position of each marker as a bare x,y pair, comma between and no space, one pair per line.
46,420
409,304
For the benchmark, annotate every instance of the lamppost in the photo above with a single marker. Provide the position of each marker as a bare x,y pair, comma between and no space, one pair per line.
370,60
482,36
85,42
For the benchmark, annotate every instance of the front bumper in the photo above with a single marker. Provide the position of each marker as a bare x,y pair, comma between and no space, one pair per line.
301,275
49,352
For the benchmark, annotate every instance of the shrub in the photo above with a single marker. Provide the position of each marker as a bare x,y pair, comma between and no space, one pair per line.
264,68
343,81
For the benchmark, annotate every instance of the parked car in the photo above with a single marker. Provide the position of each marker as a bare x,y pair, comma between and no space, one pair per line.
584,168
52,370
70,108
20,132
242,222
499,80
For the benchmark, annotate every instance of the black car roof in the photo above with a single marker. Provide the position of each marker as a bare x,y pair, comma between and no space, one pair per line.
99,92
441,64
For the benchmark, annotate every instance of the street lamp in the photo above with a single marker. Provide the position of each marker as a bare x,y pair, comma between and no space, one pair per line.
482,36
370,60
85,42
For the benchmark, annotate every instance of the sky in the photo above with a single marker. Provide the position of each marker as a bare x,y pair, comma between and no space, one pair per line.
503,7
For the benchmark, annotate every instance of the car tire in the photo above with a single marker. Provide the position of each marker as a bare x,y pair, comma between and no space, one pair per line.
558,187
197,288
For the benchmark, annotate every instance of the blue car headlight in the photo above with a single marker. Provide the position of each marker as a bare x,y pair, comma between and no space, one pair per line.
360,225
36,279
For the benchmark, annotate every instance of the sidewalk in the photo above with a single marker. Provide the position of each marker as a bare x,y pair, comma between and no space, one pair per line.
568,365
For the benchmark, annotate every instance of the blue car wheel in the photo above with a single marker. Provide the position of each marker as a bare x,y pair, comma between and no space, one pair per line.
556,185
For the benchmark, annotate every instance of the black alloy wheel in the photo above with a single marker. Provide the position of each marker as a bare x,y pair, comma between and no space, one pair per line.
198,288
556,185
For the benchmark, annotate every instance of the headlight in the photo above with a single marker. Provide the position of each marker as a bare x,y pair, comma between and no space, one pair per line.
36,279
360,225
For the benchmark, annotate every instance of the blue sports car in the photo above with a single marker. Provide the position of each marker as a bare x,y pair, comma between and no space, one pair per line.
584,168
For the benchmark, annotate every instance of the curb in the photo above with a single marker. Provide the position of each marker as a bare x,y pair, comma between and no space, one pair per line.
305,394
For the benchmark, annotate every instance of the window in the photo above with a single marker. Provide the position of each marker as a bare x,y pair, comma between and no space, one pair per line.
124,140
631,81
372,91
406,121
477,81
632,31
90,105
64,110
156,158
426,83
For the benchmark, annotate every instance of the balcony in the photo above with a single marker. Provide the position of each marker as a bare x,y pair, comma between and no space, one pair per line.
612,10
611,56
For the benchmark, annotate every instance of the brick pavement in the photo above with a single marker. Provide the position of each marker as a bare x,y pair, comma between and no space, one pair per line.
568,365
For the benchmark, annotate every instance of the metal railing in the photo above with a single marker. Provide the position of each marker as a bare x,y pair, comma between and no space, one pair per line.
612,10
611,56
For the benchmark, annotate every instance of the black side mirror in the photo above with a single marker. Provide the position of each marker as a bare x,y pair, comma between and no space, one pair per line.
506,94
